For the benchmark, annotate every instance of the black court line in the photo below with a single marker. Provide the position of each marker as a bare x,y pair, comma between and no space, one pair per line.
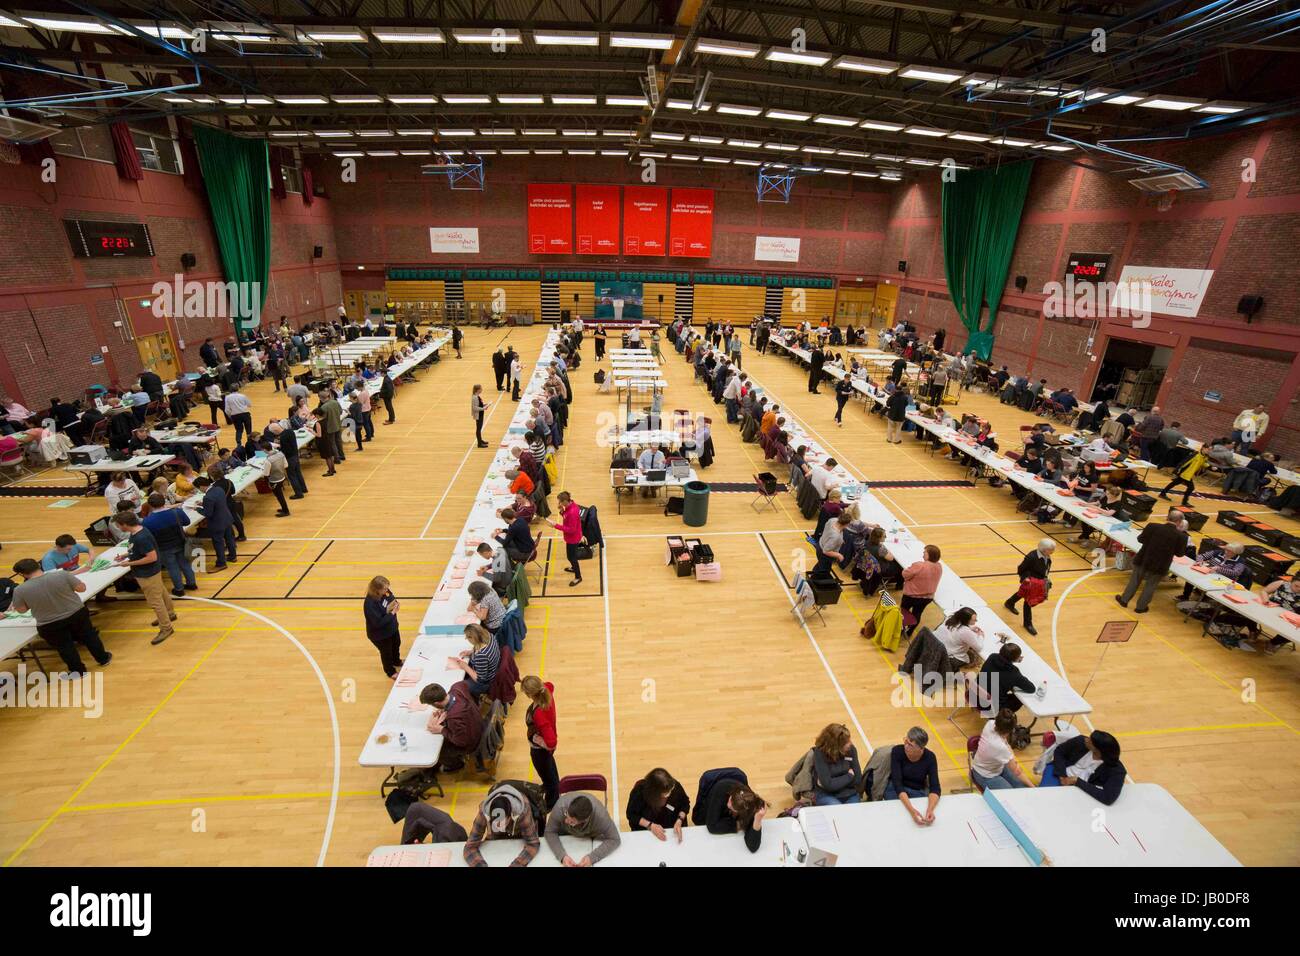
43,491
953,483
779,570
600,570
309,567
231,580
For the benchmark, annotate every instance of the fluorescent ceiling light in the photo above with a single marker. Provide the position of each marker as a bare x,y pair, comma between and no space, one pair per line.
1222,107
978,79
415,152
886,158
716,159
685,157
453,152
680,104
232,100
746,143
565,38
497,35
1124,99
707,140
374,133
835,171
520,99
354,155
807,169
852,154
807,57
483,152
407,35
548,152
581,152
1170,102
781,147
203,99
68,24
332,133
926,131
466,99
381,152
745,162
280,134
727,48
172,99
334,35
736,109
258,101
1008,141
827,119
613,152
163,31
923,162
540,132
301,100
860,64
357,98
884,127
654,155
572,99
412,100
932,74
970,137
625,100
423,132
819,149
668,137
866,175
1056,147
455,132
514,152
641,41
496,132
616,132
579,132
794,116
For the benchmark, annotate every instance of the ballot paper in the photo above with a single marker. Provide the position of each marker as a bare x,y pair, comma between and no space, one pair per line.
997,831
818,828
404,857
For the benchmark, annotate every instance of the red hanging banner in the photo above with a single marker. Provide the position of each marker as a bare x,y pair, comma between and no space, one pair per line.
550,219
645,220
597,219
690,231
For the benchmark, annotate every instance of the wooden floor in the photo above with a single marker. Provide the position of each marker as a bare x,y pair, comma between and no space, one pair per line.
217,747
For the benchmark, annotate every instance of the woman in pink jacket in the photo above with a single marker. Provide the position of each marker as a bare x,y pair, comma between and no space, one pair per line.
570,525
920,581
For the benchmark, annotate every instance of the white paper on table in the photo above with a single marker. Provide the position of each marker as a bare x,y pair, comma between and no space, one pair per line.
818,828
997,830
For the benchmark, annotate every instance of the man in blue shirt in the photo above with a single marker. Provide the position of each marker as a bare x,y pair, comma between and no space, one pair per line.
142,558
65,555
167,525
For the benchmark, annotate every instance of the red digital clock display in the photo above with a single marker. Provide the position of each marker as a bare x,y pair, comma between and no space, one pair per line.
96,238
1088,266
116,242
1090,271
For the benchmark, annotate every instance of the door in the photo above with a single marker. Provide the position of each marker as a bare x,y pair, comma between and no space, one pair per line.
158,354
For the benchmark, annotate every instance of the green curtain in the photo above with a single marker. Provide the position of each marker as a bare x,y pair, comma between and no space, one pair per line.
981,215
237,178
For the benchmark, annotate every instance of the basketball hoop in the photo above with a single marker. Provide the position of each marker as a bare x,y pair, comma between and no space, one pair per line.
1166,202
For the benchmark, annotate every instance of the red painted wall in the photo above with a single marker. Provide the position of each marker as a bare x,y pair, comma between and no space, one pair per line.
1247,232
57,311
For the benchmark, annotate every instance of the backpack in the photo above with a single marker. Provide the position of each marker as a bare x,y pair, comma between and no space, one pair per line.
1019,738
7,588
533,792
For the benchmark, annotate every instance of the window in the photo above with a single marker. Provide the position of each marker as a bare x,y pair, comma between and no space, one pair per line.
85,142
292,178
156,152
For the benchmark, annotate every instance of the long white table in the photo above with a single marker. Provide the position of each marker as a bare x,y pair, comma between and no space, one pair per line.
444,617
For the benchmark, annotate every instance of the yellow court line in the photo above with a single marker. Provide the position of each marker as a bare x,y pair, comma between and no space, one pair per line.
198,801
355,491
1202,729
122,746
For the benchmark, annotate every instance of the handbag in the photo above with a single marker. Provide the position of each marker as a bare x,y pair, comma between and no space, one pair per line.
584,552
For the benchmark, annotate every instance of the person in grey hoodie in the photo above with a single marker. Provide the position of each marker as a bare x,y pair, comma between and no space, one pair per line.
576,814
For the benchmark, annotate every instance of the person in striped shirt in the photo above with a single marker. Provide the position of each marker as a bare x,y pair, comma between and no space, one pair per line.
481,661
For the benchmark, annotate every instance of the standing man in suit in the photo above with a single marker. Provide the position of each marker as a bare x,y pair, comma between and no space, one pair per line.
288,441
386,393
215,508
816,359
1160,544
1036,564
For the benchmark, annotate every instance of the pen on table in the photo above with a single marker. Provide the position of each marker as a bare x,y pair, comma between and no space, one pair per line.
1139,839
972,832
837,829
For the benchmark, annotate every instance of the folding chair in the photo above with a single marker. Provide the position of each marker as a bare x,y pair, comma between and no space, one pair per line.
972,745
767,490
531,560
593,782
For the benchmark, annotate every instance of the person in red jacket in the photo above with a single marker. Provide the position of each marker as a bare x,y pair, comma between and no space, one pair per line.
570,526
457,717
540,723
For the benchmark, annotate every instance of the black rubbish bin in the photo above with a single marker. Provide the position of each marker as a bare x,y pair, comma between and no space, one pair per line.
695,510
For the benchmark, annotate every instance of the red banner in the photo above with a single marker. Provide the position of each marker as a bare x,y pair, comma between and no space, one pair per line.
690,230
645,220
550,219
597,217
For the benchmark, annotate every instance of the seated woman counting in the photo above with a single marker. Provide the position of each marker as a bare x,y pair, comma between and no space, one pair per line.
961,637
481,661
1090,763
658,803
914,775
734,808
994,766
837,775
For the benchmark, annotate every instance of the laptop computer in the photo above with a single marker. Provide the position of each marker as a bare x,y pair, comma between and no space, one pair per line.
656,474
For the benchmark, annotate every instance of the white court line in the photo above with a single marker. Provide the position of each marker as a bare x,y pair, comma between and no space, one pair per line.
816,647
329,701
472,448
609,681
1056,647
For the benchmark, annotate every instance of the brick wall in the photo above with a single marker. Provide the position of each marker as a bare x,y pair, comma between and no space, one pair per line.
58,313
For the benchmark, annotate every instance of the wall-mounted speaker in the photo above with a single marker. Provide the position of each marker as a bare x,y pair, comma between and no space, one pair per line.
1248,305
317,251
188,260
661,298
575,297
1021,283
902,265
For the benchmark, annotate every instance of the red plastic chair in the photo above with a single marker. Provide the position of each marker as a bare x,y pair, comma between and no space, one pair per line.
594,782
972,745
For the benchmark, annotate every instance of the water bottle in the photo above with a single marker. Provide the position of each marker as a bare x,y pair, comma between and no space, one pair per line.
401,740
1042,690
